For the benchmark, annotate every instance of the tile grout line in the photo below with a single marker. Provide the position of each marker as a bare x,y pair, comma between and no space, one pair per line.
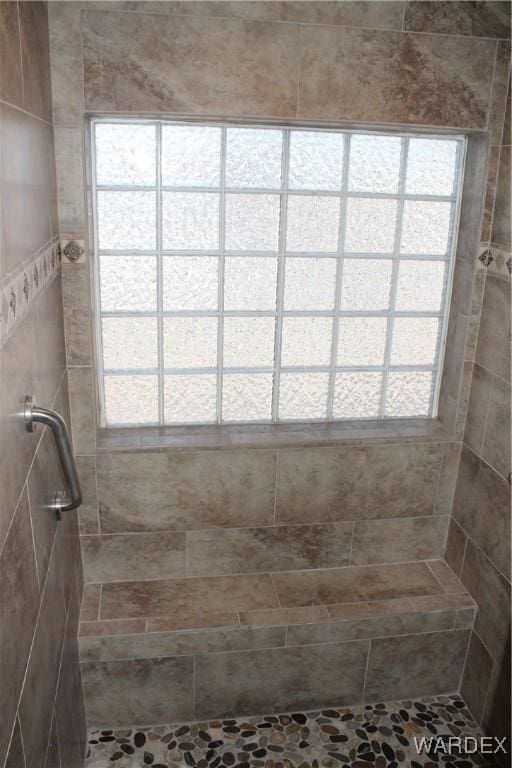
368,651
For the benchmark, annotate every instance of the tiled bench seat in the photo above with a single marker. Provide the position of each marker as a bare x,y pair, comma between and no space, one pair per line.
181,649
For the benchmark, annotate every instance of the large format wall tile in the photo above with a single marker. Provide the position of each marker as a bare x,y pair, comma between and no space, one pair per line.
76,302
389,77
493,350
159,491
501,219
287,547
280,679
16,758
478,406
484,19
36,58
176,65
82,409
477,674
391,541
496,448
331,484
10,59
51,357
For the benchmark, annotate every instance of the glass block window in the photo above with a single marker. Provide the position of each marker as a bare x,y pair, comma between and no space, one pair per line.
268,274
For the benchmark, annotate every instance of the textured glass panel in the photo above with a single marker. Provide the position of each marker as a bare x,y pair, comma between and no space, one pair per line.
128,282
248,342
190,399
408,393
316,160
190,221
362,340
250,282
431,167
126,220
253,157
425,227
374,163
125,154
190,342
420,286
131,400
414,340
357,395
306,341
312,223
247,397
190,282
370,225
129,342
303,395
252,222
190,156
366,284
309,283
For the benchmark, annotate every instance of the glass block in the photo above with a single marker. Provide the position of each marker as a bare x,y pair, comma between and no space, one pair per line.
408,393
131,400
426,227
374,163
129,342
312,223
366,284
126,221
431,167
362,340
248,342
303,395
250,283
125,154
128,283
253,157
246,397
190,156
420,286
190,399
370,225
190,220
309,283
190,282
252,222
316,160
190,342
414,340
357,395
306,341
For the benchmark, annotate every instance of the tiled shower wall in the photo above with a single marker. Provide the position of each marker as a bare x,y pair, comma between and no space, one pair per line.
41,711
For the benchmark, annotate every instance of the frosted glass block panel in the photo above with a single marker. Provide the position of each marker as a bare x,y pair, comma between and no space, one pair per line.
248,342
362,340
374,163
131,400
128,283
366,284
357,395
252,222
190,399
190,342
190,156
408,393
316,160
309,283
125,154
414,340
420,286
246,397
303,395
250,282
425,227
306,341
370,225
190,220
253,158
129,342
190,282
431,167
312,223
126,221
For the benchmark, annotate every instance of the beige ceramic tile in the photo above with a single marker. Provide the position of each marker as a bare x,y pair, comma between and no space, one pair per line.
493,350
82,409
501,218
115,627
487,19
465,618
193,619
447,479
401,540
496,448
372,609
69,154
279,616
76,298
91,602
448,580
10,58
66,62
476,678
16,757
497,708
35,56
481,387
51,358
474,318
498,110
88,512
455,547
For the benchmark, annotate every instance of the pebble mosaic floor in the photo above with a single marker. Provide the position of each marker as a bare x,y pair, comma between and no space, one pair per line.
376,736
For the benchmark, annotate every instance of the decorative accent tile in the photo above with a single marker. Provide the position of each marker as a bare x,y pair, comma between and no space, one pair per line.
495,259
485,257
73,250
